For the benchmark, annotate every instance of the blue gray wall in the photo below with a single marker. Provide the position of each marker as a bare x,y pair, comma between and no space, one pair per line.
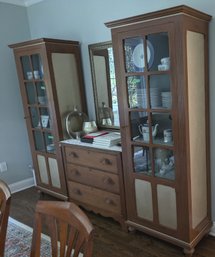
14,146
77,20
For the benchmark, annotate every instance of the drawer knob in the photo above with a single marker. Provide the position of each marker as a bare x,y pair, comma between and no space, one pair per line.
106,161
108,181
109,201
77,173
77,191
73,154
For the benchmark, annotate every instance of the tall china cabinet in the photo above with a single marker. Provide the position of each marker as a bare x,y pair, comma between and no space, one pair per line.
51,84
161,61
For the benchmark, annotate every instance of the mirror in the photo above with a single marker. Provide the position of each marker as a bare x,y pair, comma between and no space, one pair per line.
104,85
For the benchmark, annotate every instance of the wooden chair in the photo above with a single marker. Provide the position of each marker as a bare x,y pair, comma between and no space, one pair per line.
69,229
5,199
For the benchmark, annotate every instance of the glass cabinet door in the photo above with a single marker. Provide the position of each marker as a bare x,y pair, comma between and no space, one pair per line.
148,86
36,94
149,91
39,120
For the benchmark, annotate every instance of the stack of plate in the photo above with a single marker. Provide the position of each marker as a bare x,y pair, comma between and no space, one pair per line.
141,98
155,97
166,99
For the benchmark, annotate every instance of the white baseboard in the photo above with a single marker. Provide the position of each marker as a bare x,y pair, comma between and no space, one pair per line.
212,232
21,185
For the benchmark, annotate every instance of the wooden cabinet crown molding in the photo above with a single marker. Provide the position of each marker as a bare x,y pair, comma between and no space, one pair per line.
159,14
38,41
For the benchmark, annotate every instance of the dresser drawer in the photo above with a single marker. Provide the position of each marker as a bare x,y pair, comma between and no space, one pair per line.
90,158
96,178
94,197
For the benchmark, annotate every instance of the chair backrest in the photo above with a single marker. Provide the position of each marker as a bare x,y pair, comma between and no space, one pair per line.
68,227
5,199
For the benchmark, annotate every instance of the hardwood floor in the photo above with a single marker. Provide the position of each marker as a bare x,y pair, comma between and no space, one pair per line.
110,240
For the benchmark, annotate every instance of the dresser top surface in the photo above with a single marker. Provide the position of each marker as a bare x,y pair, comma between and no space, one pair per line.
79,143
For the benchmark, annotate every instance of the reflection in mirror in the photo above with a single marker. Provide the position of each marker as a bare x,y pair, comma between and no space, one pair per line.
104,84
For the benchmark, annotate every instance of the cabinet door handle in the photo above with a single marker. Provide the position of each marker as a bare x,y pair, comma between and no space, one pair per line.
106,161
108,181
73,154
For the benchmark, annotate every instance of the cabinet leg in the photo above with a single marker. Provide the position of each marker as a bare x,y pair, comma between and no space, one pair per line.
188,252
131,229
124,227
40,193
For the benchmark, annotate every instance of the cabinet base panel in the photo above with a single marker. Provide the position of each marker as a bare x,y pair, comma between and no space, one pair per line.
52,193
188,247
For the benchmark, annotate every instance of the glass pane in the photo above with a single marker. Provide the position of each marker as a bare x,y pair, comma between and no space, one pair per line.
26,67
30,90
134,57
160,93
160,43
164,134
135,54
164,163
137,97
114,98
38,140
137,120
41,93
141,160
44,118
37,66
35,122
49,140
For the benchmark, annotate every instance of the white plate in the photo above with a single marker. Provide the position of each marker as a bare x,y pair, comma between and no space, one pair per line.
138,55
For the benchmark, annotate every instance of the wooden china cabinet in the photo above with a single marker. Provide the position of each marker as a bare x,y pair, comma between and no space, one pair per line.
51,84
161,61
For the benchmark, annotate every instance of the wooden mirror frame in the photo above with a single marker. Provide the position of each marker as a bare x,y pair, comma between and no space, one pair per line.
101,50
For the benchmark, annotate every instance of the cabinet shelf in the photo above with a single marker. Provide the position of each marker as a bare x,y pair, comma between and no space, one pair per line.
127,74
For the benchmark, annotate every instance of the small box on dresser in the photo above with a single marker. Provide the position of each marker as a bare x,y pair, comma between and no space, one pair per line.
95,178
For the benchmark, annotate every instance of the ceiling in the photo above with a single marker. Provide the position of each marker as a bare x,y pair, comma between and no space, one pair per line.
21,2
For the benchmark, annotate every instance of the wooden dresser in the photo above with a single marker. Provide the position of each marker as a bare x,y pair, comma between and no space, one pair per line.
94,178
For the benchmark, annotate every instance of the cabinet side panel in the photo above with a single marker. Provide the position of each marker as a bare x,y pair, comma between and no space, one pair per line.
143,191
67,84
197,129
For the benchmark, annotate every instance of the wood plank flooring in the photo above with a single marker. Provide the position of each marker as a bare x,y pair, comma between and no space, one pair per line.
110,240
